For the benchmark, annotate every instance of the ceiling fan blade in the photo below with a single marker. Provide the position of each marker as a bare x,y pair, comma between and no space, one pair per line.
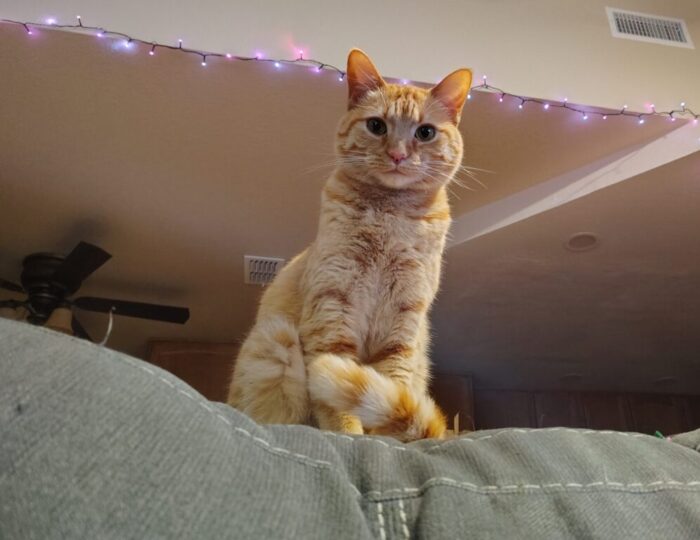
79,330
10,286
80,263
141,310
11,304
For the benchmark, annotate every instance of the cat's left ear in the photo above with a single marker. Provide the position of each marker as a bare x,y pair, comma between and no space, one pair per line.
452,92
363,77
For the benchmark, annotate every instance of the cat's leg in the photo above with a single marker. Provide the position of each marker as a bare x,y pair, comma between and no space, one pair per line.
328,327
269,378
331,420
383,405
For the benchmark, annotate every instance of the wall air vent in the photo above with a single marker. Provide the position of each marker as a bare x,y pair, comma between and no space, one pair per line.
260,270
649,28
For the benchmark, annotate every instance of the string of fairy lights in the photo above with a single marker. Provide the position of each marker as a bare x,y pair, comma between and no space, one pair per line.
128,42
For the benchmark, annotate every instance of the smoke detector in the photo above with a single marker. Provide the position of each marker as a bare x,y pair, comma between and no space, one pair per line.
261,270
582,241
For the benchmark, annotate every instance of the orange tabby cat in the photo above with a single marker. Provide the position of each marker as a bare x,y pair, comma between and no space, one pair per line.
341,337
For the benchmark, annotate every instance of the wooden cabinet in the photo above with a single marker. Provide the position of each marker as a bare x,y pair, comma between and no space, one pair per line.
607,411
504,408
454,395
559,409
667,414
206,367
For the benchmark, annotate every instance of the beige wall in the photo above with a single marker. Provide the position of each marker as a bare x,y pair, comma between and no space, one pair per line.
545,48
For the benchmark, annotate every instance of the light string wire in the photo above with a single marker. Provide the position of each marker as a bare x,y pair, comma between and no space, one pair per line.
587,112
683,112
153,46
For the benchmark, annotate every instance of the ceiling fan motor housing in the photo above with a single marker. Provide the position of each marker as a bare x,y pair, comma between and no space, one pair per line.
45,293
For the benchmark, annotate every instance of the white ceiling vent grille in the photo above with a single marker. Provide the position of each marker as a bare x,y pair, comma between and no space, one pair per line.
650,28
261,270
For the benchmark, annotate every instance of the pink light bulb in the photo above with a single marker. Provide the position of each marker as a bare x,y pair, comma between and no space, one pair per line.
229,56
605,117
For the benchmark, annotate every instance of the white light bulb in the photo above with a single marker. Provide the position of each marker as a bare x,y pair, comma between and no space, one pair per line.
641,120
605,117
204,63
151,53
229,56
585,117
50,21
277,64
469,95
683,104
520,106
546,106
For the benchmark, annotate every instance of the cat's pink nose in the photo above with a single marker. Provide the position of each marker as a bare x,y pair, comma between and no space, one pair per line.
397,155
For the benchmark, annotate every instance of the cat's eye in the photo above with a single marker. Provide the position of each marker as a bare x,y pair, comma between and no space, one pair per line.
376,126
425,132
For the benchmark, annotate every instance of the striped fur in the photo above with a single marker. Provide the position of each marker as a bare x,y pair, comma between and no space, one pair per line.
341,337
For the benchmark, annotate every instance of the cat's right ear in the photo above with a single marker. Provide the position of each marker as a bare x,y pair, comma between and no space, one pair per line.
362,76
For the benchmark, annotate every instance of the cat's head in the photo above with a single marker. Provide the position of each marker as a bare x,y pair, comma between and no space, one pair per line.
400,136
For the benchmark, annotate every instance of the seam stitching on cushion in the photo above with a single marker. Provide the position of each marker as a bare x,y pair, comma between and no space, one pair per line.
404,524
536,431
487,437
635,487
380,520
280,452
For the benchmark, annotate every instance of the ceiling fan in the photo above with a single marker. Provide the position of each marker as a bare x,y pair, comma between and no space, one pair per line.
49,280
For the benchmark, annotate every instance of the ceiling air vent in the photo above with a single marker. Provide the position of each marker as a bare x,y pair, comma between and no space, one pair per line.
650,28
261,270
